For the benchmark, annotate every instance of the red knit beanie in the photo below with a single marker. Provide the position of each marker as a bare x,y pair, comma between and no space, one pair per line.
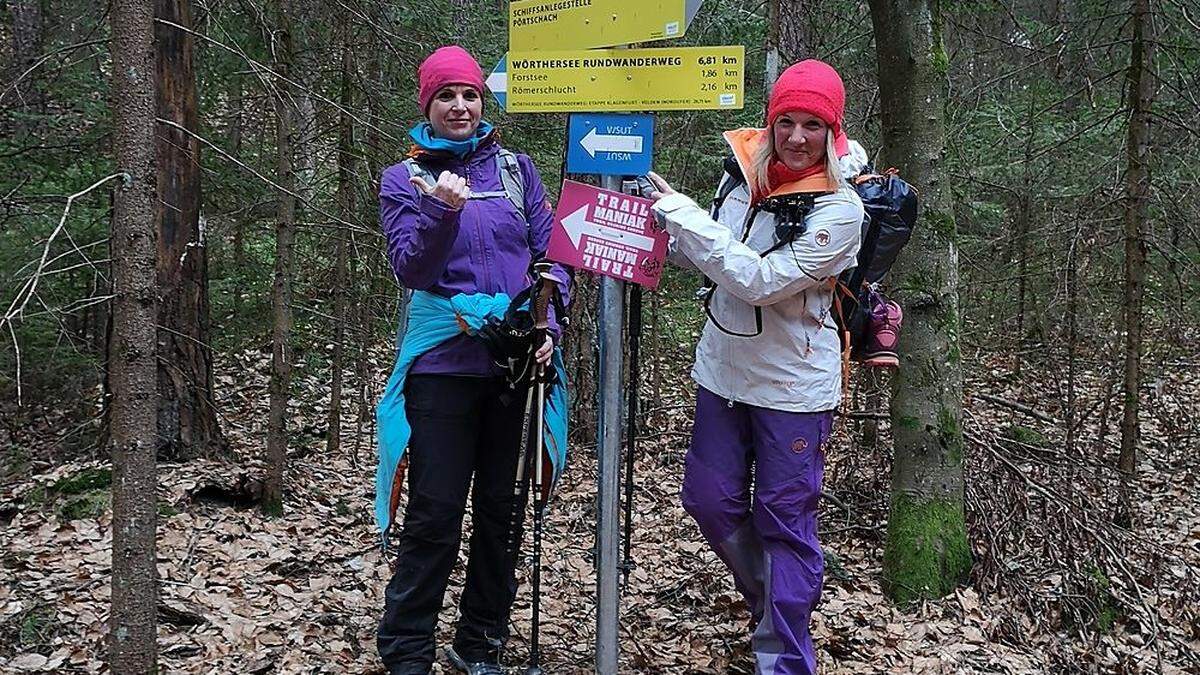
446,66
814,87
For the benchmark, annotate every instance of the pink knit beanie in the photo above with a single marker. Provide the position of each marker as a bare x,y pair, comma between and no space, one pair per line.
444,67
815,88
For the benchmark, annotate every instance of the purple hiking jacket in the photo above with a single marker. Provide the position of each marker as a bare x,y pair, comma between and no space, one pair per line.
485,247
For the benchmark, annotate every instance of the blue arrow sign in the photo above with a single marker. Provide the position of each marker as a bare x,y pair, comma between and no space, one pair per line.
615,145
498,82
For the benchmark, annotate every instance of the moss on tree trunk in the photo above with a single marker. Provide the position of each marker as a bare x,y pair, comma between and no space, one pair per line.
927,553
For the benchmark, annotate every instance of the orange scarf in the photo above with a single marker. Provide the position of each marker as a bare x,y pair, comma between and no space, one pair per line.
778,174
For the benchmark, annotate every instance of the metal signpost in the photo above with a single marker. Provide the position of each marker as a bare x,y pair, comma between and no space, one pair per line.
612,310
554,65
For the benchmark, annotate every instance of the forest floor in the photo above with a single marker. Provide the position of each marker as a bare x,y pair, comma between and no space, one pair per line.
302,593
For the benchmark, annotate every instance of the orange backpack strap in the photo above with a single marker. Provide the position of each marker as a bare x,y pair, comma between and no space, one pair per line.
838,289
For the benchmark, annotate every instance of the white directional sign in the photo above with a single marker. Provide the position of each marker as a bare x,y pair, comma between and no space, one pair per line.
595,142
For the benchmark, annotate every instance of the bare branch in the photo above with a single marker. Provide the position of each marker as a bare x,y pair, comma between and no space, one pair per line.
265,69
37,64
258,175
30,287
17,348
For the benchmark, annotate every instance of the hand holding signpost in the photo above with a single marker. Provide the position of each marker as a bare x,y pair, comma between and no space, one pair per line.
451,189
661,187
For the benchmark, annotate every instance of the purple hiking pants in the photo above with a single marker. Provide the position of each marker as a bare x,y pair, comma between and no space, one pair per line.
766,529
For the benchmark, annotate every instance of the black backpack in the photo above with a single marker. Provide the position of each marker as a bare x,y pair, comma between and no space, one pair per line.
889,215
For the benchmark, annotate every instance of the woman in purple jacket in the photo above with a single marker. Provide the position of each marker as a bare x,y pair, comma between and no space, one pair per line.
462,216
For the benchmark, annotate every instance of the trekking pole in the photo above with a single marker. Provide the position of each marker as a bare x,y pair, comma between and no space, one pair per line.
541,327
539,511
522,472
635,339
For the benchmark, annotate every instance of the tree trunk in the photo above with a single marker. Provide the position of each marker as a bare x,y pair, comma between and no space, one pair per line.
788,39
1021,243
364,366
460,17
795,38
654,330
304,68
1028,327
131,362
927,553
236,133
281,290
772,49
1177,314
345,197
1137,198
1071,413
304,121
26,48
187,418
1071,66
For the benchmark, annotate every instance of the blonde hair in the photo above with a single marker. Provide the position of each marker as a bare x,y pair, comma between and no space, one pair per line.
765,154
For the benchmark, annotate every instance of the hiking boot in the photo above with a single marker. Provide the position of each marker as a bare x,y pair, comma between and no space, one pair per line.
473,667
883,334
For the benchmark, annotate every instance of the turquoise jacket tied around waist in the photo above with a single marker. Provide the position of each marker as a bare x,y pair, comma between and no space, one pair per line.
433,319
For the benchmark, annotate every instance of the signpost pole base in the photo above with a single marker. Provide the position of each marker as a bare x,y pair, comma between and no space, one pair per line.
608,450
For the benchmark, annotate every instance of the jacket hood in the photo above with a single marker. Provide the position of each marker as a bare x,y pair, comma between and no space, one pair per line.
745,143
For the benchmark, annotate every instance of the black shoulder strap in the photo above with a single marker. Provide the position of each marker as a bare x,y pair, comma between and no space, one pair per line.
794,209
870,233
734,178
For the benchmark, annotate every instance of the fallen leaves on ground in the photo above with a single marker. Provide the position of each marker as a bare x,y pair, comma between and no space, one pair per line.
241,593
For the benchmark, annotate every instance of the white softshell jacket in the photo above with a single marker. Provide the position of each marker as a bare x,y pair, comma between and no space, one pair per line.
794,365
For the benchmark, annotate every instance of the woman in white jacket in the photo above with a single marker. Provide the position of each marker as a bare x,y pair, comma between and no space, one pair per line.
769,362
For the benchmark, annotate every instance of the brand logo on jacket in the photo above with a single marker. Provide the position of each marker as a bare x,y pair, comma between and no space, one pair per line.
799,445
822,237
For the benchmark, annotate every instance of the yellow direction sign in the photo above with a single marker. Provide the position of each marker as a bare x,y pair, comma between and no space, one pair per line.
613,80
536,25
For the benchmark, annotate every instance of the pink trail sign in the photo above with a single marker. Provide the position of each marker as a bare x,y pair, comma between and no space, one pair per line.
608,233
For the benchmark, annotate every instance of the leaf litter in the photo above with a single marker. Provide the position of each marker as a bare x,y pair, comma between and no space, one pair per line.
302,593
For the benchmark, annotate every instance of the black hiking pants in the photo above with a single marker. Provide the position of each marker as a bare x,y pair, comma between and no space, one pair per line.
460,429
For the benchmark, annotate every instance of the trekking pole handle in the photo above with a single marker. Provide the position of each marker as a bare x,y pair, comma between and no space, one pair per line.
546,286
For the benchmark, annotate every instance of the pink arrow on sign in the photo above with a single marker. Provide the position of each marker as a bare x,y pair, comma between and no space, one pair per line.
608,233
